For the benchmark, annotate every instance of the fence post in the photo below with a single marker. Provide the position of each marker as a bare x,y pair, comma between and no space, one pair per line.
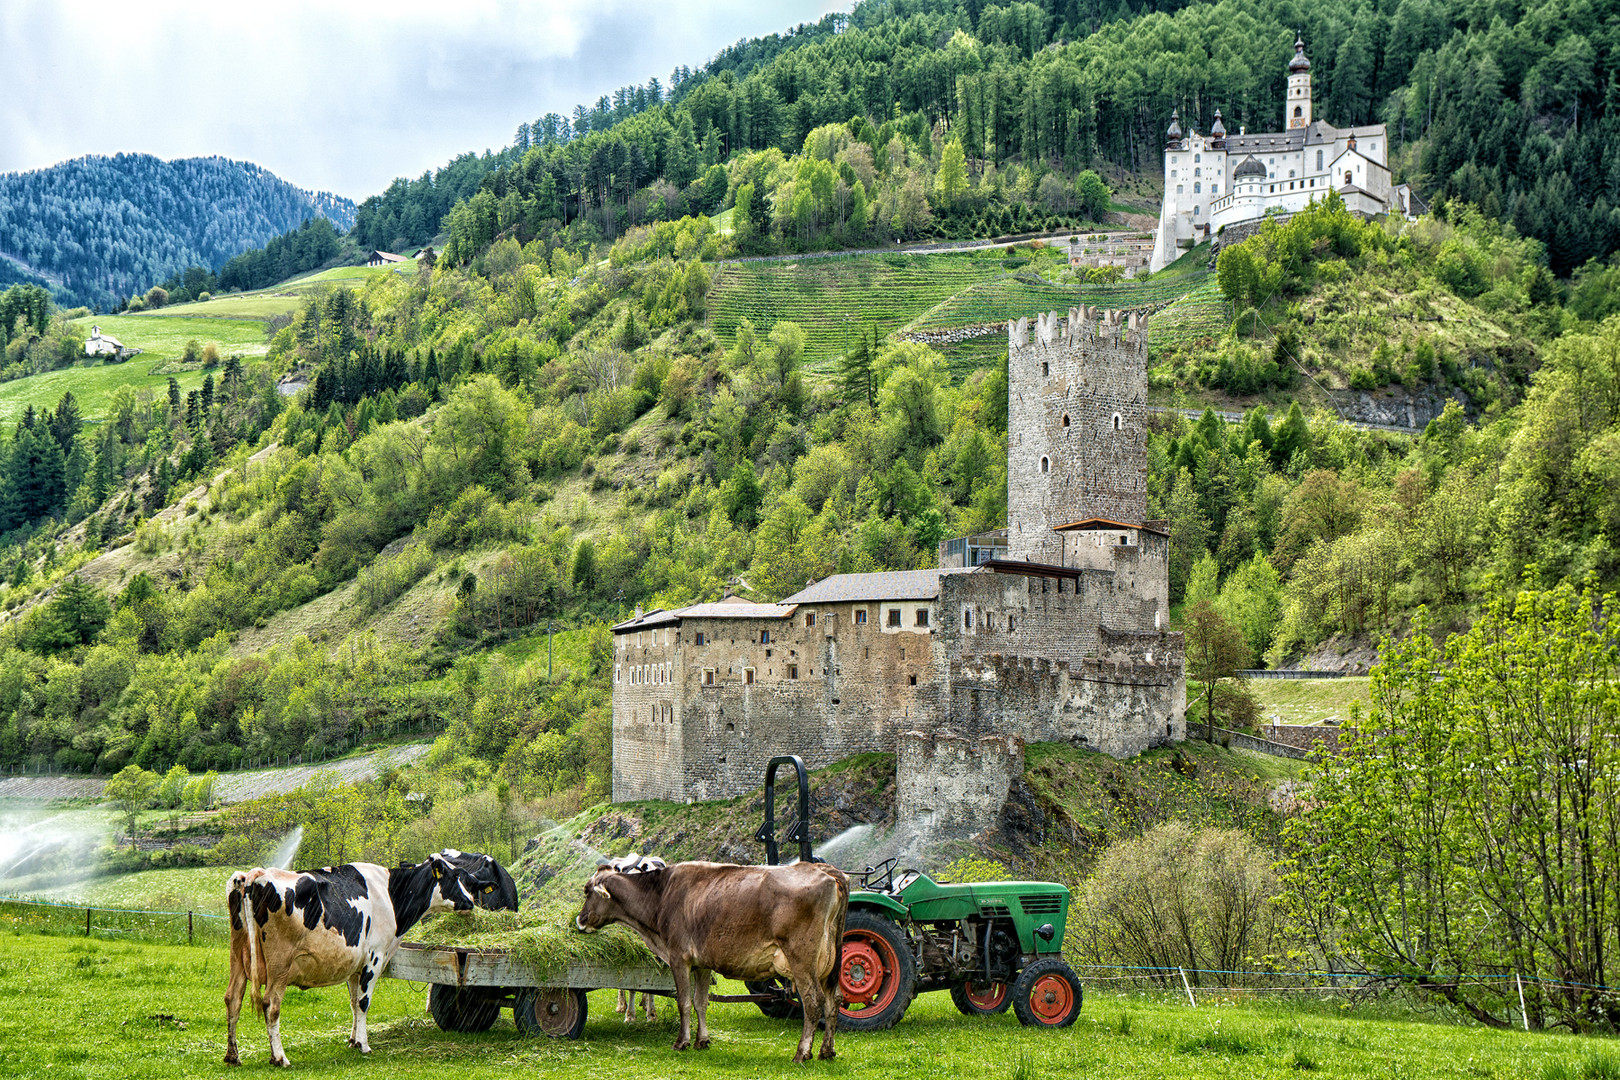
1188,986
190,940
1523,1013
86,922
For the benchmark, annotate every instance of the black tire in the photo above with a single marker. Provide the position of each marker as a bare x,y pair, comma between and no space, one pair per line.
877,977
1047,994
779,1009
558,1013
970,1000
464,1008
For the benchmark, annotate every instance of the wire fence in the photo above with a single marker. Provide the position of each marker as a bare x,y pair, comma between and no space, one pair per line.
62,919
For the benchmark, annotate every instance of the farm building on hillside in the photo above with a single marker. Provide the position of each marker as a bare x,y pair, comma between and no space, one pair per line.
383,258
1051,631
106,345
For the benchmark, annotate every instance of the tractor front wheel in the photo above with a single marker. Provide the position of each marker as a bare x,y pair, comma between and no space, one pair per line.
464,1008
877,977
1047,994
981,999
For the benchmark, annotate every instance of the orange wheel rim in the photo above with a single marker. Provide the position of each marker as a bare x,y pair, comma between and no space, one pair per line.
1051,998
988,997
868,973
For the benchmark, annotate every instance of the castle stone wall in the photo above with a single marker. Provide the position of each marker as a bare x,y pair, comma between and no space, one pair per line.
947,782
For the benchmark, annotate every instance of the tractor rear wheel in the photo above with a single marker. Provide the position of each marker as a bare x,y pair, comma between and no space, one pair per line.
877,977
981,999
464,1008
1047,994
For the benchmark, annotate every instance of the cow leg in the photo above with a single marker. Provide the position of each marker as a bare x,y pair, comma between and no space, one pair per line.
272,1022
649,1005
809,990
354,1010
829,1012
233,1002
625,998
702,977
683,1003
368,982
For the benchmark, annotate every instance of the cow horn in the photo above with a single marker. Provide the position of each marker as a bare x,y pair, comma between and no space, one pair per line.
601,890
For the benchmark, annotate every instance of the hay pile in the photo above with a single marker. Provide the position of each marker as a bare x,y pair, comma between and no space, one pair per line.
545,940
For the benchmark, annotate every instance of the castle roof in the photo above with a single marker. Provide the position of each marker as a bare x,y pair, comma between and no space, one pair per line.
1298,63
732,607
1107,525
885,585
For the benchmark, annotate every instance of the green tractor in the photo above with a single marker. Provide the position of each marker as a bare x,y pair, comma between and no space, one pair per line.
991,944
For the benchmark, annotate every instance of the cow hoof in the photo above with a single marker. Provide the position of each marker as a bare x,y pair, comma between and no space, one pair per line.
682,1044
281,1063
800,1059
702,1044
232,1059
827,1055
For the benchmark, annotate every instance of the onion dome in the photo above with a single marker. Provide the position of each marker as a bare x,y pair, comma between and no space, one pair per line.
1217,130
1298,64
1175,125
1249,167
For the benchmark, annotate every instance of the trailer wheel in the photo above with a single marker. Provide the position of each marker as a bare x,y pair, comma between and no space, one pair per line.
1047,994
877,976
557,1012
464,1008
981,999
790,1008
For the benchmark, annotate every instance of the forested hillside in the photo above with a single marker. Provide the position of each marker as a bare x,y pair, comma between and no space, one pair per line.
98,229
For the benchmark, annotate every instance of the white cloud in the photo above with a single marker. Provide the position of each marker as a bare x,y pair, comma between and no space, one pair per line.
341,95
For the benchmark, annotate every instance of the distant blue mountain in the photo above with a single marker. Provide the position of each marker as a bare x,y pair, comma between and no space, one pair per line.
99,229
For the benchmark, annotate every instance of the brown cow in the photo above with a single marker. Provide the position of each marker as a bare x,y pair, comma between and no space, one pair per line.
744,922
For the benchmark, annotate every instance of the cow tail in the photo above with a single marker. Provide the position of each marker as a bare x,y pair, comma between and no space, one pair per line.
838,936
252,931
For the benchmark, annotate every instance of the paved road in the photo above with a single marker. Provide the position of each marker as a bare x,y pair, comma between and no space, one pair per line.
231,787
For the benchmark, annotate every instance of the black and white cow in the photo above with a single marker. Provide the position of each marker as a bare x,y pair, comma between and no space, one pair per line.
494,888
321,927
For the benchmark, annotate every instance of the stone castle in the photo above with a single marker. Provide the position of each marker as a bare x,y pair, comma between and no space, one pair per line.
1053,633
1215,181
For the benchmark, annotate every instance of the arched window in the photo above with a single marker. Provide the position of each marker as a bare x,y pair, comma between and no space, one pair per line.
1116,421
1198,187
1347,176
1299,110
1198,157
1290,174
1319,161
1046,465
1198,172
1178,189
1198,211
1065,419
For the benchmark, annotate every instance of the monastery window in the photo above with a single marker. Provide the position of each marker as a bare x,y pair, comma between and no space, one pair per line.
764,637
708,676
748,676
860,616
967,618
922,616
1299,110
1347,176
1172,174
793,671
1198,172
1046,465
809,618
1198,187
697,638
1319,161
1178,189
1065,419
1198,157
894,617
1214,189
1290,176
1197,211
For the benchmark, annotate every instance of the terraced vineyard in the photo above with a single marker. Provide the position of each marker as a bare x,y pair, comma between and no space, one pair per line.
834,298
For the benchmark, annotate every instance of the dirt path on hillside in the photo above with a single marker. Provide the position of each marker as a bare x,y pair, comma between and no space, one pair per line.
231,787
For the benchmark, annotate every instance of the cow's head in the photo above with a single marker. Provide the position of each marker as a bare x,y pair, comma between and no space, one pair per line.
454,889
614,883
493,887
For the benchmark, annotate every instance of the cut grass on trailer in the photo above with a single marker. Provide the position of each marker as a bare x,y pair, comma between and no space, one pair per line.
93,1009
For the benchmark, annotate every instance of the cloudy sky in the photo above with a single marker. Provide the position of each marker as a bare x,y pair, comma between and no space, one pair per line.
338,95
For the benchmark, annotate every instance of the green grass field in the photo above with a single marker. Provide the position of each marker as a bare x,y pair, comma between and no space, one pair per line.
76,1008
200,888
163,341
282,298
1308,701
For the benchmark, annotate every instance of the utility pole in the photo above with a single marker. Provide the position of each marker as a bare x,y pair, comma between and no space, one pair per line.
550,626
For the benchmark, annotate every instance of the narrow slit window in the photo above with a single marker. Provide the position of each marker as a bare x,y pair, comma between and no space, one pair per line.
1046,465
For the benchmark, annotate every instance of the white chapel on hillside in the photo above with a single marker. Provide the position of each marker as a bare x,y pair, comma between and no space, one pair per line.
1215,180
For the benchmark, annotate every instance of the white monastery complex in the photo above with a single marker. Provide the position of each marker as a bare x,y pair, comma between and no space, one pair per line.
1218,180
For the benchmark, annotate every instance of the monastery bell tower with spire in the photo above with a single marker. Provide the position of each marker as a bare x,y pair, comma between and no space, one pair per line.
1299,87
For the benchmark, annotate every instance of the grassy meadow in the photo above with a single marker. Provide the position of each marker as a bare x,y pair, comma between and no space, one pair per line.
163,341
280,299
76,1008
1309,701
